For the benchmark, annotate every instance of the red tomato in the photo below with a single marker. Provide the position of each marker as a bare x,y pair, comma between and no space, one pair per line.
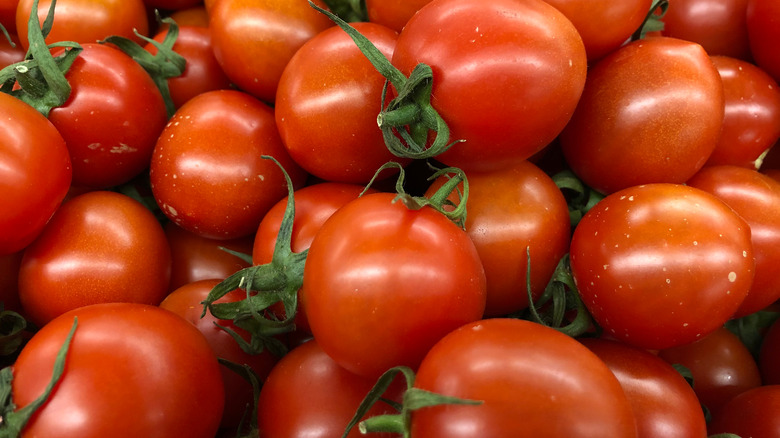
194,257
99,247
35,173
186,302
769,355
326,105
192,16
10,54
207,171
763,22
720,364
86,21
507,75
754,413
751,124
112,118
603,25
662,265
382,283
720,26
533,381
332,395
663,402
123,358
202,72
254,41
509,210
651,112
8,15
393,13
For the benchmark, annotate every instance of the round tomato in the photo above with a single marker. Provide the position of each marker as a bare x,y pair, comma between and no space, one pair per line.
35,173
507,75
99,247
769,355
393,13
532,381
207,171
124,358
763,23
651,112
662,265
753,413
10,54
382,283
720,26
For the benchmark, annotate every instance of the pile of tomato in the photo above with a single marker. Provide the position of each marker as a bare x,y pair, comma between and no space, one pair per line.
419,218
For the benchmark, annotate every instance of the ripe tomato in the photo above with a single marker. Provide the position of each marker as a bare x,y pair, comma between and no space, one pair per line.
112,118
507,75
752,413
186,302
720,26
326,105
10,54
253,41
99,247
508,365
763,17
393,13
631,127
661,265
720,364
769,355
509,210
382,283
124,358
86,21
35,173
751,124
8,15
207,171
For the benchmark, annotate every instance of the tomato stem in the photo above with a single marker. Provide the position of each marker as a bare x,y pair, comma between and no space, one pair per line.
653,21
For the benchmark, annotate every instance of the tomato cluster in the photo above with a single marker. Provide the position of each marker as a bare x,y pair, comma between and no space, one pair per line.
457,218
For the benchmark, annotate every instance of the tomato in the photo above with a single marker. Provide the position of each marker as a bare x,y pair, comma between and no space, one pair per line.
99,247
35,173
763,17
769,355
327,102
192,16
752,413
253,41
308,395
124,358
112,118
393,13
10,54
8,15
507,75
720,364
86,21
631,127
509,210
9,281
201,73
186,302
663,402
756,198
605,25
382,283
508,365
207,171
751,124
661,265
720,26
194,257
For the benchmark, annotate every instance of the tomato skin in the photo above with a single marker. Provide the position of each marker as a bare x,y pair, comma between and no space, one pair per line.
172,5
763,33
35,173
10,54
254,40
326,105
721,366
9,281
756,198
123,358
207,171
507,364
752,413
769,356
631,128
663,402
83,257
393,13
720,26
8,15
661,265
508,210
507,75
382,283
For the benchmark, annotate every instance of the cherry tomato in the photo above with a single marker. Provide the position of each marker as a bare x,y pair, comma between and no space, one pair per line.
752,413
769,355
393,13
127,365
507,75
254,41
207,171
533,381
99,247
763,17
382,283
327,102
661,265
35,173
720,26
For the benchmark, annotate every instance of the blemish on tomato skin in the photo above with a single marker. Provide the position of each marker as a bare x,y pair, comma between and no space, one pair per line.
732,276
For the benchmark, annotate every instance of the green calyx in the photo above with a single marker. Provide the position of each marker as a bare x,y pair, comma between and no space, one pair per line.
653,21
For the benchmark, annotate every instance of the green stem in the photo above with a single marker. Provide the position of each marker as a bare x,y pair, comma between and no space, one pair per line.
653,22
